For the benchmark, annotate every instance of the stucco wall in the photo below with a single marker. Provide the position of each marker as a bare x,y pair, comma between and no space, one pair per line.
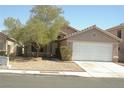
115,55
12,47
121,44
94,36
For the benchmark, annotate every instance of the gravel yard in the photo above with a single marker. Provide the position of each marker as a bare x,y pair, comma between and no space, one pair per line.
44,65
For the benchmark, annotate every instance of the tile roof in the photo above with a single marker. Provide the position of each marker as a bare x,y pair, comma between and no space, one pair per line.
68,30
116,27
90,28
5,36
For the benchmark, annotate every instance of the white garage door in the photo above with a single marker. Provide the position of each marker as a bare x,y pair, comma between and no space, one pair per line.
92,51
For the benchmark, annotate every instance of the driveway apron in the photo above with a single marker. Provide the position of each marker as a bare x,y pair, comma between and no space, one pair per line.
102,69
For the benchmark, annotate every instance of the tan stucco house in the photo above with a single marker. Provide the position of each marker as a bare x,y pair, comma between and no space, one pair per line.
7,44
92,44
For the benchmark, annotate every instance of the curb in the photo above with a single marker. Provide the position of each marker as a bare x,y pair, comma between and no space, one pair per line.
19,71
79,74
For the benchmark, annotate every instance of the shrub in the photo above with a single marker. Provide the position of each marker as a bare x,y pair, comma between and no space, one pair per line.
66,53
2,53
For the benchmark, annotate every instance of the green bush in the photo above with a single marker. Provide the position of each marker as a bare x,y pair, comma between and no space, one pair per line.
66,53
2,53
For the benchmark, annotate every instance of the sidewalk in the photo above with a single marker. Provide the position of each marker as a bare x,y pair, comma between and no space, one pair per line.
81,74
84,74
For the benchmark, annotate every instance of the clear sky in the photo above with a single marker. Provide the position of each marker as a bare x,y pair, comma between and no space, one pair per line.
79,16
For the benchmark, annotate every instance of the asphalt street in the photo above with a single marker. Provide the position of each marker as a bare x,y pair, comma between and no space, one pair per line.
47,81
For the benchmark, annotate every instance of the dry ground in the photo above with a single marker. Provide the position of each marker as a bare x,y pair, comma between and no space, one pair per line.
43,65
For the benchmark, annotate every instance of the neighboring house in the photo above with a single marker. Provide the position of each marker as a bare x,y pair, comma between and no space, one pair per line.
119,32
7,44
92,44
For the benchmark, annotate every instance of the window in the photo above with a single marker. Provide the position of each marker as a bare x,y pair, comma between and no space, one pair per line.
119,33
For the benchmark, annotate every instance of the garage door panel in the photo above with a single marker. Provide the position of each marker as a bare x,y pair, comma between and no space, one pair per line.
92,51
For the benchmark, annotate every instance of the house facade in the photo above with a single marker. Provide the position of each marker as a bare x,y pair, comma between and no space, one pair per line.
92,44
119,32
8,45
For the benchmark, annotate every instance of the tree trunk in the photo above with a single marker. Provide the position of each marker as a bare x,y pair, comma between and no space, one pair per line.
37,47
37,53
50,45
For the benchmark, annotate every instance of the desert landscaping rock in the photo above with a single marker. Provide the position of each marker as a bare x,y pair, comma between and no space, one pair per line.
44,65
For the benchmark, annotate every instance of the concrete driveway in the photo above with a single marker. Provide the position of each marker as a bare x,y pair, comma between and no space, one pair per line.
102,69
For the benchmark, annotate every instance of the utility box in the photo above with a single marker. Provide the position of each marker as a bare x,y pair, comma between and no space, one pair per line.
4,62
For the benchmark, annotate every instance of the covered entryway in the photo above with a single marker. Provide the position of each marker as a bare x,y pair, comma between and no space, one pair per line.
92,51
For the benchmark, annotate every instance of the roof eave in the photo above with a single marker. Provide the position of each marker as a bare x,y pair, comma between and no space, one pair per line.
115,27
109,34
92,27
